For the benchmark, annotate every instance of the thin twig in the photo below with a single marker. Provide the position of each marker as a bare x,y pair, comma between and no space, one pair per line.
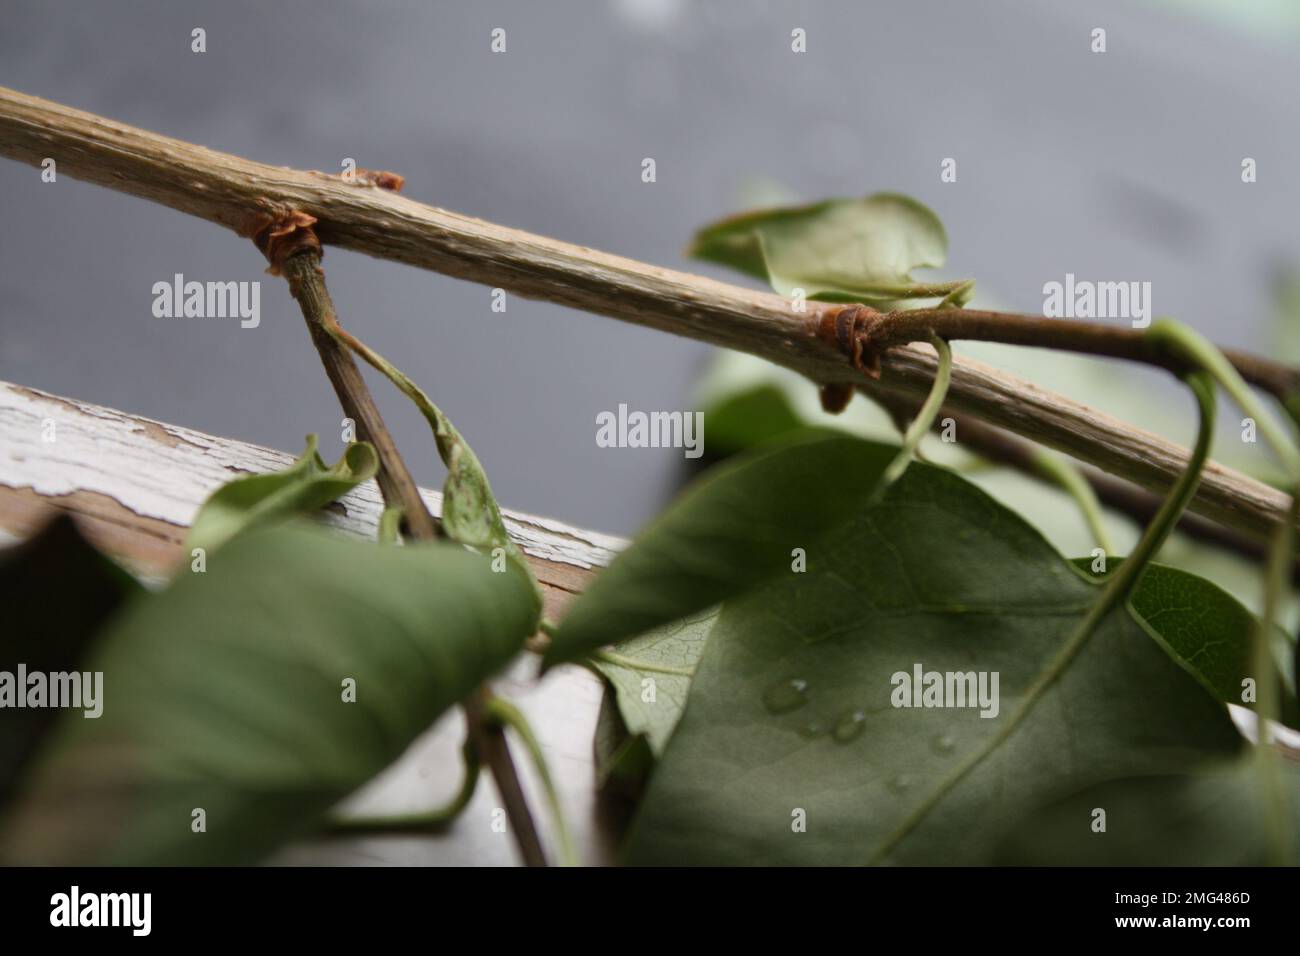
885,330
301,266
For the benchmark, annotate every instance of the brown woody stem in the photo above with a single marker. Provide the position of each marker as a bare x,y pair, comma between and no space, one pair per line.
299,260
881,331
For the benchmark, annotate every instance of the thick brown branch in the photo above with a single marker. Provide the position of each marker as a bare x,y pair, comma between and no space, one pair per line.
246,196
300,263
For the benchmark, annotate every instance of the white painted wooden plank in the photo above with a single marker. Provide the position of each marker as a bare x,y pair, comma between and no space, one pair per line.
164,472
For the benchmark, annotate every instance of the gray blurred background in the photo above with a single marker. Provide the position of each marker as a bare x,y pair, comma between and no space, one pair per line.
1117,166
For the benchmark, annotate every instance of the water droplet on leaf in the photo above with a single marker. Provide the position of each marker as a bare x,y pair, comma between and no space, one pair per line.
785,696
899,783
849,726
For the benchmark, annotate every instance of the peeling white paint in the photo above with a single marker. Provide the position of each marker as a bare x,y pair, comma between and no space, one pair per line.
166,472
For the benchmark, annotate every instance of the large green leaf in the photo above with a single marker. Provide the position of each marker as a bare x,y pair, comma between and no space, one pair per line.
725,534
305,486
226,692
56,591
790,709
1220,816
859,249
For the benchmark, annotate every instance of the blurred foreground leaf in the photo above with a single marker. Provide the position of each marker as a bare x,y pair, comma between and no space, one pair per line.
228,692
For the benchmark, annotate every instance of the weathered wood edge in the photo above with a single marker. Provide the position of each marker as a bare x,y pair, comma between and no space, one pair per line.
135,484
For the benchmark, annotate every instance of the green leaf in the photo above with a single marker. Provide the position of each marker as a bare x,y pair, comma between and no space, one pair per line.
855,249
790,710
623,760
305,486
57,591
226,692
750,418
1219,816
731,529
470,514
666,658
1202,627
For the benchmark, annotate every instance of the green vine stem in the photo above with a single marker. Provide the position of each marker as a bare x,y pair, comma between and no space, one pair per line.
390,523
425,821
470,514
1061,472
925,417
1192,347
508,715
1267,690
1196,350
1114,592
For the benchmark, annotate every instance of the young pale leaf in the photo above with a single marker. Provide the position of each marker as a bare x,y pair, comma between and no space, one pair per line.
261,692
56,591
855,249
305,486
1220,816
744,521
791,749
651,674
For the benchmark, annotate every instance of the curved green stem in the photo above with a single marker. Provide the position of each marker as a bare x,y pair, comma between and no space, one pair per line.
390,523
508,715
1268,681
1063,473
924,419
959,296
1194,348
1114,592
424,821
470,514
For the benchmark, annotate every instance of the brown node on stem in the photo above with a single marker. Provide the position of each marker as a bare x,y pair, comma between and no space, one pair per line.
280,238
835,398
849,328
382,178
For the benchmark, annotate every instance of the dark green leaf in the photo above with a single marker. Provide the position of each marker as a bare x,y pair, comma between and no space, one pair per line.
1217,817
750,418
623,760
736,526
1202,627
305,486
860,249
56,591
790,709
226,692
